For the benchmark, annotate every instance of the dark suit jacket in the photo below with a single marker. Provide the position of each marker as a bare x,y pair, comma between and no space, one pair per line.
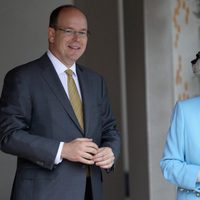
35,115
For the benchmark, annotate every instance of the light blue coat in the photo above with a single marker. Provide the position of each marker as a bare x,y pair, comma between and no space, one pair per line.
180,163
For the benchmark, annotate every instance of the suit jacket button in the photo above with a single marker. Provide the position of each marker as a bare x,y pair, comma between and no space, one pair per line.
40,163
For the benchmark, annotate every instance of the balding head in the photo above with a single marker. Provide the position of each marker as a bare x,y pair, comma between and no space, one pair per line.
56,12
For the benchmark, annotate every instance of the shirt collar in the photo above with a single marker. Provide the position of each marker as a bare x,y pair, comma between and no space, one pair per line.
59,66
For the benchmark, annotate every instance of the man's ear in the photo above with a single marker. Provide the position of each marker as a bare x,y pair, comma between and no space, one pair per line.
51,35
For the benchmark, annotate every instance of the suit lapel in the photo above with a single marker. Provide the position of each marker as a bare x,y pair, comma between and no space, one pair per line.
86,96
54,83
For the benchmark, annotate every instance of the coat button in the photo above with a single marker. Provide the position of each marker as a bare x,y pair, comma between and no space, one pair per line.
40,163
197,194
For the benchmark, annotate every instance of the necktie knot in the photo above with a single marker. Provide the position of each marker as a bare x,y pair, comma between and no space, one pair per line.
69,72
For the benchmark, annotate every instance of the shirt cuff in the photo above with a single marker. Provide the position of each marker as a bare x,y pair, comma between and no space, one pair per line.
58,158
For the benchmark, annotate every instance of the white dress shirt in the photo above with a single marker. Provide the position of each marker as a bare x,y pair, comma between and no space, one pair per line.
60,70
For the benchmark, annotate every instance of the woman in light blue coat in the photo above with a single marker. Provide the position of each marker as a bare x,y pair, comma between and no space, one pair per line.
180,163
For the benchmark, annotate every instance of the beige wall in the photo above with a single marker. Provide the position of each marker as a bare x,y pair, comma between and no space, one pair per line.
159,91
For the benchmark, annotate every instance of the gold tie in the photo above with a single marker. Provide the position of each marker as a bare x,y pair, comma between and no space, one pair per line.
75,98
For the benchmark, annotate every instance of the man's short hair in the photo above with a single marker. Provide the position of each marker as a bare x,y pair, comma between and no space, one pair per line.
55,14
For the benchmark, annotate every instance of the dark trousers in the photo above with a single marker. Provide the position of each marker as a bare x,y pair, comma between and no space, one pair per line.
88,189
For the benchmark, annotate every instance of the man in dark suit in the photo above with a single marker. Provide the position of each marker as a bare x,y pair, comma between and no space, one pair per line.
56,118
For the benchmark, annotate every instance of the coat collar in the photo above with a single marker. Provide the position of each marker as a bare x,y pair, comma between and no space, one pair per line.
53,81
85,85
